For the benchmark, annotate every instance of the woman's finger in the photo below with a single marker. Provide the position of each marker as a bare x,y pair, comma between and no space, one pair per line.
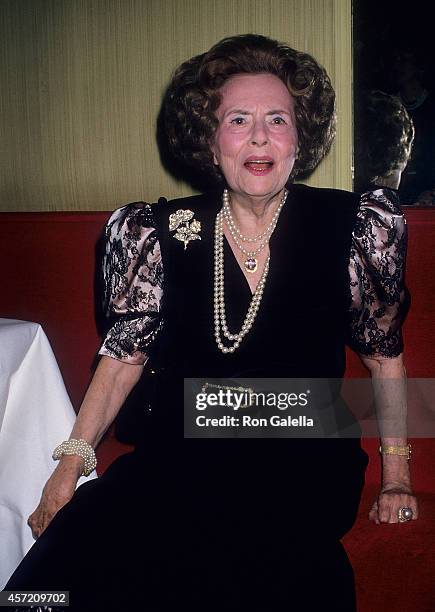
384,508
407,501
373,514
33,523
34,526
391,504
44,522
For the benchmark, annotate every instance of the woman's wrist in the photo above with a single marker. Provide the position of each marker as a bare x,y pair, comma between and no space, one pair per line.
73,464
395,469
80,448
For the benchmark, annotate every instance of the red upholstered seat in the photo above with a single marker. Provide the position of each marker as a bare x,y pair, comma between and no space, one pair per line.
48,268
48,263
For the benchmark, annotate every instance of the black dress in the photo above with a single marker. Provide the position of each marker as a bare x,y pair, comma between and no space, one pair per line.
228,523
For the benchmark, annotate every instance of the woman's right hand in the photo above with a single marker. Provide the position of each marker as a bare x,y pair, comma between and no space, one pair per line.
58,490
112,382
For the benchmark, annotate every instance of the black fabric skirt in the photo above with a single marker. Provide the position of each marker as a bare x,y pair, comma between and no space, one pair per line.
254,529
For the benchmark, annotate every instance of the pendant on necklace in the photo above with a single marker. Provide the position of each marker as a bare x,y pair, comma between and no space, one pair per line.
251,264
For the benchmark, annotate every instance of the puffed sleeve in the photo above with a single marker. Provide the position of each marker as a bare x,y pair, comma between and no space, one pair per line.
133,283
379,297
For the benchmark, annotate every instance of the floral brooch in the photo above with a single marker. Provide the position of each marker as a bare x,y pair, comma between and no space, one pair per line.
186,228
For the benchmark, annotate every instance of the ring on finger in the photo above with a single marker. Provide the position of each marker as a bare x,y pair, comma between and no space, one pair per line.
405,514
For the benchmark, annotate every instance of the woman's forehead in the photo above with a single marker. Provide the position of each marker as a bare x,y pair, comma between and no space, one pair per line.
252,89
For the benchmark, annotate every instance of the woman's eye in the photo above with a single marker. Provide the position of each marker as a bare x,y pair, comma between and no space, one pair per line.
238,121
278,121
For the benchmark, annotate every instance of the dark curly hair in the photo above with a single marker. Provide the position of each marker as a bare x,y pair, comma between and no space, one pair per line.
193,97
385,133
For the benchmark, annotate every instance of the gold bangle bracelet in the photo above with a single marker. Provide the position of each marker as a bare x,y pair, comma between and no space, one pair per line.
403,451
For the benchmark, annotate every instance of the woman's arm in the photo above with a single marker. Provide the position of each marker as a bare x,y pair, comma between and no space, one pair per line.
112,382
132,303
389,385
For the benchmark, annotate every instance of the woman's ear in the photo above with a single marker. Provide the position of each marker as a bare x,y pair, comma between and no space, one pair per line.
215,159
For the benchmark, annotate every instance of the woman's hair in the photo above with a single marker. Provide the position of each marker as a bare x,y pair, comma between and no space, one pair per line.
193,97
385,133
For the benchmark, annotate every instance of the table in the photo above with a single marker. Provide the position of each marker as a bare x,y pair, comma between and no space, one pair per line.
35,416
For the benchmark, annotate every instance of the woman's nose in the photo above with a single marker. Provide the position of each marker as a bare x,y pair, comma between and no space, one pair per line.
259,135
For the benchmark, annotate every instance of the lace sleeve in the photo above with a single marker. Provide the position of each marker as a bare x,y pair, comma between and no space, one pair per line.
379,298
133,281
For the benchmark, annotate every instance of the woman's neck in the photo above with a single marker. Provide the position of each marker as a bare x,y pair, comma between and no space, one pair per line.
253,214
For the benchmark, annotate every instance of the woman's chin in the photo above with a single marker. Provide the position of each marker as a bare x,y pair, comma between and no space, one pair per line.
260,187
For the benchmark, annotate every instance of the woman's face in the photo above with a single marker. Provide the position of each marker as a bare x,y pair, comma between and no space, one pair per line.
256,140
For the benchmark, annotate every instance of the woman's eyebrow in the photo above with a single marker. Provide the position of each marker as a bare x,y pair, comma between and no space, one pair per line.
238,111
241,111
278,112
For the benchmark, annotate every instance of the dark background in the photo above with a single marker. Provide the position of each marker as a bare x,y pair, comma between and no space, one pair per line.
394,41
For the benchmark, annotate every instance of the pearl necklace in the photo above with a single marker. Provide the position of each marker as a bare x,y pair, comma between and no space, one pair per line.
251,261
220,321
219,295
231,223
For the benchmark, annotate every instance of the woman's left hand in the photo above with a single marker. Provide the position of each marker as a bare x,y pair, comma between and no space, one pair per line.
385,508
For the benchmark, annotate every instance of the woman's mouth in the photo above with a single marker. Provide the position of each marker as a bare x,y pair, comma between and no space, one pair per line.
259,166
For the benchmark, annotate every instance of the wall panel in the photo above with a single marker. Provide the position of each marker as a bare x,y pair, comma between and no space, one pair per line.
81,85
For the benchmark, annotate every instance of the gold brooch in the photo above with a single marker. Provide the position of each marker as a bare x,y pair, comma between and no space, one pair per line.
184,231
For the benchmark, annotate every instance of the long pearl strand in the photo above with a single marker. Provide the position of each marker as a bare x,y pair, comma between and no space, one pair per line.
220,321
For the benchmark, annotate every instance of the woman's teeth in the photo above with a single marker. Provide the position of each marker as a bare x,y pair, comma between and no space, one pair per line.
258,165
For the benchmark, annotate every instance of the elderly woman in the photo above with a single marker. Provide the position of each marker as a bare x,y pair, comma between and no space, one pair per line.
259,277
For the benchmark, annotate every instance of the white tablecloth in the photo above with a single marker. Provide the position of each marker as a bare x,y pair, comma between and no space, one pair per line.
35,416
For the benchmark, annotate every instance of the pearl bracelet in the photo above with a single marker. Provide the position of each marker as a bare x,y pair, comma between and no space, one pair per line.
78,447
